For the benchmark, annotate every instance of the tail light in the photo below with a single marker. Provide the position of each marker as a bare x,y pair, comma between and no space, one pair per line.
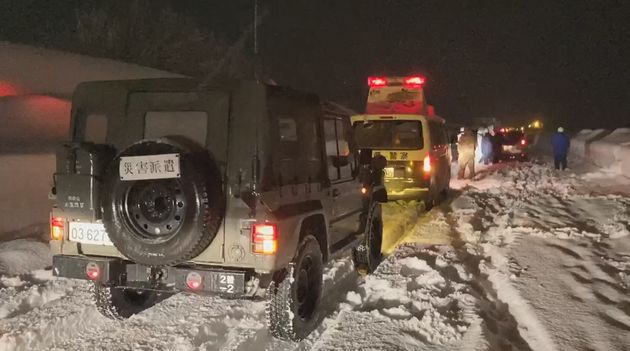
93,271
264,238
57,225
194,280
426,166
377,82
523,142
414,81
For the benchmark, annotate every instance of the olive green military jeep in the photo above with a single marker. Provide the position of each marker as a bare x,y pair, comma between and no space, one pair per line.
243,190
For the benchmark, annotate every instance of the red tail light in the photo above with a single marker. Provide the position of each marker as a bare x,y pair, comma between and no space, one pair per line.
194,280
523,142
414,81
265,238
56,228
375,82
426,166
93,271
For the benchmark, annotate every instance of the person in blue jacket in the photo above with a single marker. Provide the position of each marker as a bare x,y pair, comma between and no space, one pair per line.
560,143
486,149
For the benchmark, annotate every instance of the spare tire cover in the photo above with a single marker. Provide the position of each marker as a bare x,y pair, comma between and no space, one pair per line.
162,222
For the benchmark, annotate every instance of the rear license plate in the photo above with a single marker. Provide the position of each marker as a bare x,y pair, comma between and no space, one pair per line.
228,282
511,149
89,233
389,172
149,167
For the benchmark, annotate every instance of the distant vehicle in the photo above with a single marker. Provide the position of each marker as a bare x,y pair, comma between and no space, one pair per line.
243,191
399,125
514,146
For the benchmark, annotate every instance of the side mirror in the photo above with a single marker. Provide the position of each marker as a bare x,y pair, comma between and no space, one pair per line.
340,161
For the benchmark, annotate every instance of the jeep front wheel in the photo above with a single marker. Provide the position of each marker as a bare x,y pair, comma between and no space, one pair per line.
293,300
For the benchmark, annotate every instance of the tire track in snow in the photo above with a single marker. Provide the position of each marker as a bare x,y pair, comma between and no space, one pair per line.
545,206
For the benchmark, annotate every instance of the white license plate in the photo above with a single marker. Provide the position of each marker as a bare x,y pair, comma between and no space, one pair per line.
511,149
89,233
149,167
389,172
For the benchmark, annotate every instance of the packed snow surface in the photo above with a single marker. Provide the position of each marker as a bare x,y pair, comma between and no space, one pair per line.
520,258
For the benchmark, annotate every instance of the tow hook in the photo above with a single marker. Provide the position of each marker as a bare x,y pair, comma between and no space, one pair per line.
156,275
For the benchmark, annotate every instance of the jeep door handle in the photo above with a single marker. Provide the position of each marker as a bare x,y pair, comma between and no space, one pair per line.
336,193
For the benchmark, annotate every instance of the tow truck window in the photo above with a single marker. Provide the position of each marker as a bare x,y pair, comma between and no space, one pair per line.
389,134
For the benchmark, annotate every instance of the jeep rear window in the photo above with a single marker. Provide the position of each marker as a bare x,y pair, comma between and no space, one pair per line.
389,134
190,124
92,128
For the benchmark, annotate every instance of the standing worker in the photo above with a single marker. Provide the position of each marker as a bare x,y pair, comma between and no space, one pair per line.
560,143
461,132
486,149
478,155
466,149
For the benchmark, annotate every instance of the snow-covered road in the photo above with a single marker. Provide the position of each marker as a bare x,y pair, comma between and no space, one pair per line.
518,259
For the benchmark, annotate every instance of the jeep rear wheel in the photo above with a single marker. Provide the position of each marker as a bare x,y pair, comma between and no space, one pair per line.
121,303
293,301
368,255
161,222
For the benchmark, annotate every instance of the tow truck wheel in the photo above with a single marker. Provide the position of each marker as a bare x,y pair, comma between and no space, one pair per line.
121,303
293,299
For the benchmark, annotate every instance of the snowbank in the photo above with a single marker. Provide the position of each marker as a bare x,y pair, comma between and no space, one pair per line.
606,152
27,69
624,158
22,256
25,181
581,141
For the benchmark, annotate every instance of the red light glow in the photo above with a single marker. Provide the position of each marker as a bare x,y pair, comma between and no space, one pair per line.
194,280
375,82
523,141
414,81
93,271
7,89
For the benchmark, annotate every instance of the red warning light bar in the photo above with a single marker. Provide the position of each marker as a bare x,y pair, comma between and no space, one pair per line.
415,81
375,82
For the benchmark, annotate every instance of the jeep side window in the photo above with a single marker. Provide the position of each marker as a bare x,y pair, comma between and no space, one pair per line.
330,137
92,128
338,149
346,157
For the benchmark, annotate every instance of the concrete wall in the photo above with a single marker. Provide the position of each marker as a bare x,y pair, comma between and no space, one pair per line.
25,181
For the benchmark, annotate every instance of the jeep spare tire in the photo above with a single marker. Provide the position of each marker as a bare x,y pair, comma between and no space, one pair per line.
163,201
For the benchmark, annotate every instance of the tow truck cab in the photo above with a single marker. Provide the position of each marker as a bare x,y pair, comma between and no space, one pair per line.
402,127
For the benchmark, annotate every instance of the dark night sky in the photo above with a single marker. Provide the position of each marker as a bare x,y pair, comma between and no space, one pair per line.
567,61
